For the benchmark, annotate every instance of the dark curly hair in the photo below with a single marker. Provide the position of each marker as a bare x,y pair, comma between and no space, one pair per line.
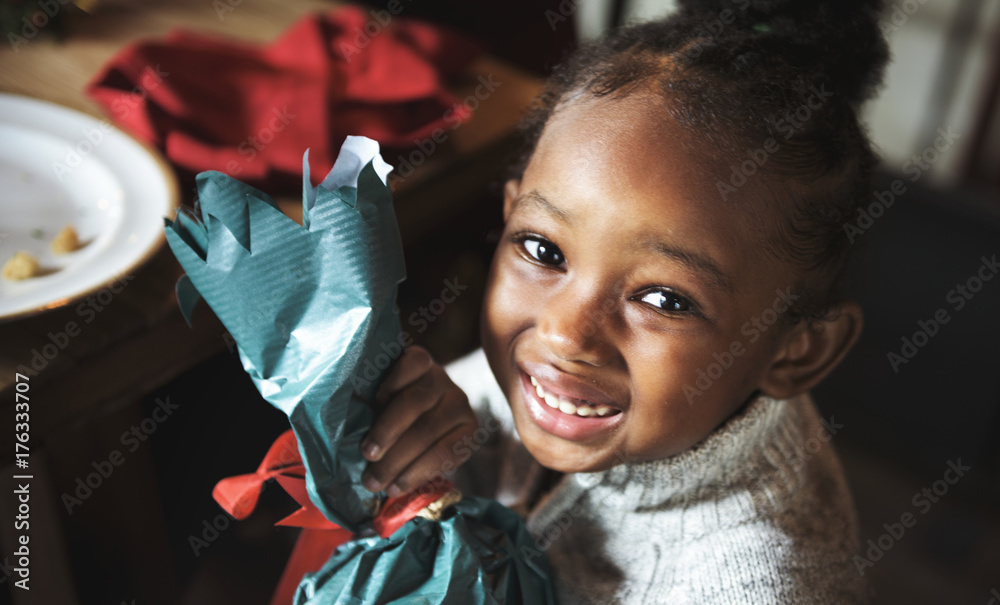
737,73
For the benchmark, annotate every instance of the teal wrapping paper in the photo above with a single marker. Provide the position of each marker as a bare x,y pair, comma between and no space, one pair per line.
310,308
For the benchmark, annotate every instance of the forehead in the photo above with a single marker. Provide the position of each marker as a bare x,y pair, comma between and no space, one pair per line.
631,142
625,166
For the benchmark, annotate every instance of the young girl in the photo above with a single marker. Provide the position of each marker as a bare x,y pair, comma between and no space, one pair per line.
665,294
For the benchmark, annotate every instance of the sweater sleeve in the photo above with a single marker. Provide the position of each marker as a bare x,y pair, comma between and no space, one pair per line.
480,476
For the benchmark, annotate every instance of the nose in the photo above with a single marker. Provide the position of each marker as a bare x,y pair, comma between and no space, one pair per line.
576,327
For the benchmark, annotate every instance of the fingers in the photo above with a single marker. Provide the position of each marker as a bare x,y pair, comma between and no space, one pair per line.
424,416
435,462
402,411
415,460
414,363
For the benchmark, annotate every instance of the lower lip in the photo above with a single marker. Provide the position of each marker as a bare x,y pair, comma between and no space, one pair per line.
567,426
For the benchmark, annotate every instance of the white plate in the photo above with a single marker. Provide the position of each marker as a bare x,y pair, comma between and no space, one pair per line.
60,167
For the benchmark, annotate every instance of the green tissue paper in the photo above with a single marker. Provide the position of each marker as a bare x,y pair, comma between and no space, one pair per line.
308,306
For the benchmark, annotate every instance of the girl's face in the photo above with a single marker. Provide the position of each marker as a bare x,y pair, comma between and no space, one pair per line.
624,286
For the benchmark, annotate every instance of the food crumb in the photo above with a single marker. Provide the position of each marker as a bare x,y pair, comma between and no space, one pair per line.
65,241
21,266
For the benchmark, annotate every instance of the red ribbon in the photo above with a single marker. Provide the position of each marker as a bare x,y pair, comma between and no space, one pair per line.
239,495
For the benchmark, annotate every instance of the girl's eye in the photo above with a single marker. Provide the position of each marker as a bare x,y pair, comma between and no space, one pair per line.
543,251
667,301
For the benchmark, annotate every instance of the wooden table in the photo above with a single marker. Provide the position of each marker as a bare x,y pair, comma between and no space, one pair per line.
139,342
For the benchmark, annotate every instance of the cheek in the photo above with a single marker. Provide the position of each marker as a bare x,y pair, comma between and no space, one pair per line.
678,402
510,301
685,371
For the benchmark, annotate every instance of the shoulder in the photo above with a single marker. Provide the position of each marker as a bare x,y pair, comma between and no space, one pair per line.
798,536
770,561
767,561
472,373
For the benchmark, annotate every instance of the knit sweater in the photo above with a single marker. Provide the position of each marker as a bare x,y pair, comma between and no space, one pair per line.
757,512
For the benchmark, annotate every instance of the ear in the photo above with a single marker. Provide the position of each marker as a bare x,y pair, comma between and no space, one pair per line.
510,189
812,349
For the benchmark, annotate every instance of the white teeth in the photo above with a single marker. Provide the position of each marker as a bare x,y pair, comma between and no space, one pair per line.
566,406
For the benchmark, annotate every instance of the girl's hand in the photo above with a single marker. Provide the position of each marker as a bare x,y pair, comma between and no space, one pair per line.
424,415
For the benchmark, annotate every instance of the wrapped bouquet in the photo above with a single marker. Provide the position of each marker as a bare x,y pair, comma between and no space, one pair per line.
312,309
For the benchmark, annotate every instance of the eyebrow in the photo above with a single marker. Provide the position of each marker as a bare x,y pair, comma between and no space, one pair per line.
692,260
537,200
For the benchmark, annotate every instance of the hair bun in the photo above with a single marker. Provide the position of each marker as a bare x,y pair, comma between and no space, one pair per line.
840,38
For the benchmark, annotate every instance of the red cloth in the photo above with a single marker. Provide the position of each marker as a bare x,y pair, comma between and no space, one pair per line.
251,111
320,537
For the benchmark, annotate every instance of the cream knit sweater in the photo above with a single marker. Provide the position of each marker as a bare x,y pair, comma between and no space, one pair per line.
758,512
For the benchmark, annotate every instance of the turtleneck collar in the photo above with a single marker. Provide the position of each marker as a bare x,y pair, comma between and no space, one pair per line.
758,451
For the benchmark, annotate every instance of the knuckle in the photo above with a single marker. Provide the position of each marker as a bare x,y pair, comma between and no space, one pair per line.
426,427
411,478
418,395
420,356
469,418
377,472
404,482
443,454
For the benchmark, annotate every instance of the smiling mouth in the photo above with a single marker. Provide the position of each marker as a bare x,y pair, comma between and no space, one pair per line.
570,406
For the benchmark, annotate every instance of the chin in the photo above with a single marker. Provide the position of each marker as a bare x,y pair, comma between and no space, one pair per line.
563,456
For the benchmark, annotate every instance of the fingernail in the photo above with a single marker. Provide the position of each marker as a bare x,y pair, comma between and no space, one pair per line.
393,491
371,484
369,449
